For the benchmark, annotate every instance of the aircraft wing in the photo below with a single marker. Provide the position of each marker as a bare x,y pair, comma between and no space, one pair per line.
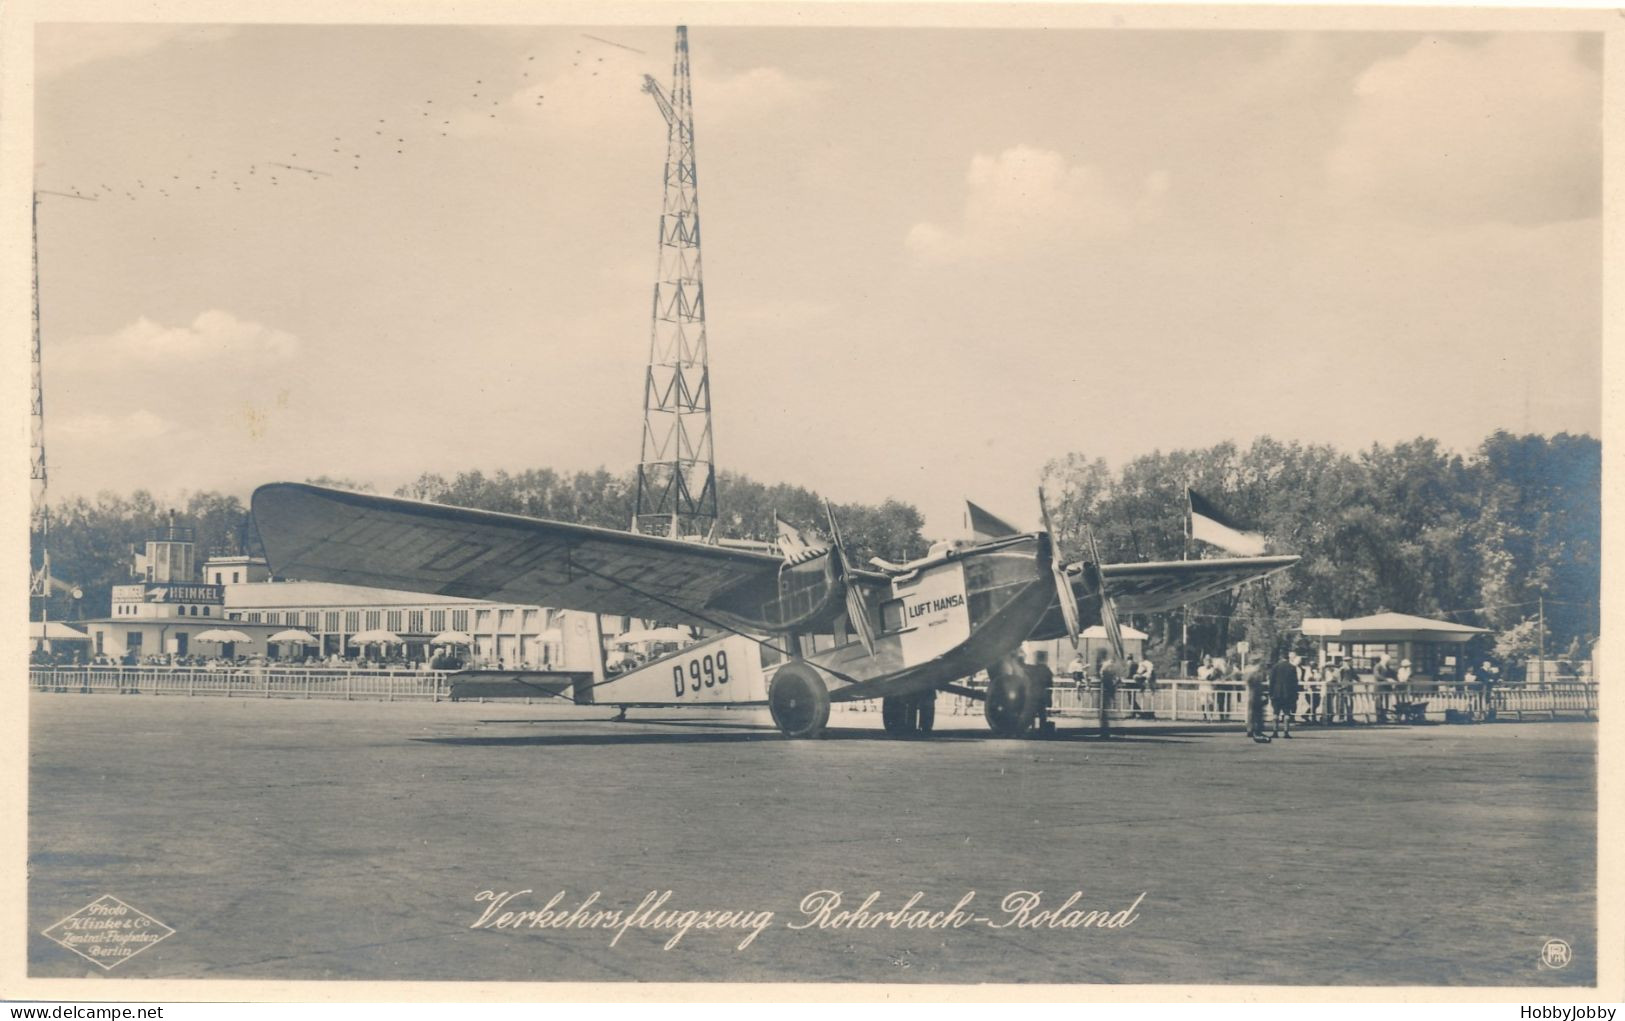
1151,587
1156,586
317,534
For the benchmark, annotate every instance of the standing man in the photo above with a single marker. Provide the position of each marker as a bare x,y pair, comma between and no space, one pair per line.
1148,681
1284,692
1347,678
1108,692
1255,704
1045,678
1306,681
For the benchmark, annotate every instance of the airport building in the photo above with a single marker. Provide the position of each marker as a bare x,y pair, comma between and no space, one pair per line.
175,600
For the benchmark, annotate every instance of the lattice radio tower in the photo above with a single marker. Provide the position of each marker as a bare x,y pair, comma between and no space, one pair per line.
40,574
677,489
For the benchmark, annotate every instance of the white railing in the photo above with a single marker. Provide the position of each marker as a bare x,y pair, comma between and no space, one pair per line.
246,682
1226,702
1176,701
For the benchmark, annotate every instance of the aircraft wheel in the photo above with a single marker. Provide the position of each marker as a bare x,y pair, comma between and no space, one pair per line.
926,705
798,700
1012,702
895,715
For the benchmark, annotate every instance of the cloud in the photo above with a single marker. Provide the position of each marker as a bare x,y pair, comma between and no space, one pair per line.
140,424
60,47
1026,196
1508,130
212,335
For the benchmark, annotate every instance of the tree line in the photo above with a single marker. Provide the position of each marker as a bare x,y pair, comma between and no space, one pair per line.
1488,539
1483,538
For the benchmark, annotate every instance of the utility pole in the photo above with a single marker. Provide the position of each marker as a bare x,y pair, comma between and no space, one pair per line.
677,494
1542,661
40,581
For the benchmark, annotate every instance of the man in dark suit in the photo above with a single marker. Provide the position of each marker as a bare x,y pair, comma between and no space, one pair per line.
1284,692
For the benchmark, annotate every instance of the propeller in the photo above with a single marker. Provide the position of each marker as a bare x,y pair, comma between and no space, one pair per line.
857,607
1108,612
1063,588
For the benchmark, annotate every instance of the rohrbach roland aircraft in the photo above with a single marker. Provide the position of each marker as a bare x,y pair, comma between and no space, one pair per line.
794,632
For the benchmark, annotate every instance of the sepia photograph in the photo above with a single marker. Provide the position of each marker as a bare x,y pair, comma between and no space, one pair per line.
737,496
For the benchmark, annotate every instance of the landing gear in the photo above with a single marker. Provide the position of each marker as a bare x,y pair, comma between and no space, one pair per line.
799,701
925,708
909,714
1013,696
894,715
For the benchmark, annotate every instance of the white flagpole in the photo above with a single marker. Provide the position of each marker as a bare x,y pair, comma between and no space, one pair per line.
1185,611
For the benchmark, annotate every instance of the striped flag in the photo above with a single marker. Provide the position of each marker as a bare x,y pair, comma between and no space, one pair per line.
793,545
1210,525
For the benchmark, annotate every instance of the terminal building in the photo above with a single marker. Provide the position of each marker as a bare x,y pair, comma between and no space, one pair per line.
175,600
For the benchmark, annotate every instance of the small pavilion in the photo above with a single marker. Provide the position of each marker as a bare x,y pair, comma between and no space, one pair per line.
1434,647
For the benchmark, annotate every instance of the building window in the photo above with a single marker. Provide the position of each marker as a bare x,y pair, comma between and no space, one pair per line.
482,620
205,611
253,617
459,620
394,624
352,621
330,621
437,621
312,620
234,577
98,643
274,617
374,620
414,622
530,621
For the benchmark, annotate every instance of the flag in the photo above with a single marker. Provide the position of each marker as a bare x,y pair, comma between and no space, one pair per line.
1210,525
793,545
983,526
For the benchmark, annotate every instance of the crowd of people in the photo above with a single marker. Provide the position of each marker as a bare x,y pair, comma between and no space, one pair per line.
1285,685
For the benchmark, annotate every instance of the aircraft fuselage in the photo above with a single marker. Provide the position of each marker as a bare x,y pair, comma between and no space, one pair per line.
942,620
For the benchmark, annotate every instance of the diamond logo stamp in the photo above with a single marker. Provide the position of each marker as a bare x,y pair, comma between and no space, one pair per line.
107,932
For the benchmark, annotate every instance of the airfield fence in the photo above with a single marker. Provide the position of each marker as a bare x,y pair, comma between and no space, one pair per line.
1174,701
247,682
1226,702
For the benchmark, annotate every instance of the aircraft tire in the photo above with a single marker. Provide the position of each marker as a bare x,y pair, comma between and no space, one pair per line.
799,701
895,715
1012,702
925,715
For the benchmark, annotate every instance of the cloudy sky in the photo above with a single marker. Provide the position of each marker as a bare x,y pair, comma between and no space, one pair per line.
934,258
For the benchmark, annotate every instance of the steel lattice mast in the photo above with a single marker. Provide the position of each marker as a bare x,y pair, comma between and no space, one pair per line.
40,582
677,493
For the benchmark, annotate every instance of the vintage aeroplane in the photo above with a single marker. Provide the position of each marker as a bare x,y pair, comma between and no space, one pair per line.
794,631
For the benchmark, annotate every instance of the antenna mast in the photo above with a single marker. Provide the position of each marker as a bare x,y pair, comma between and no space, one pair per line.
677,493
40,577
